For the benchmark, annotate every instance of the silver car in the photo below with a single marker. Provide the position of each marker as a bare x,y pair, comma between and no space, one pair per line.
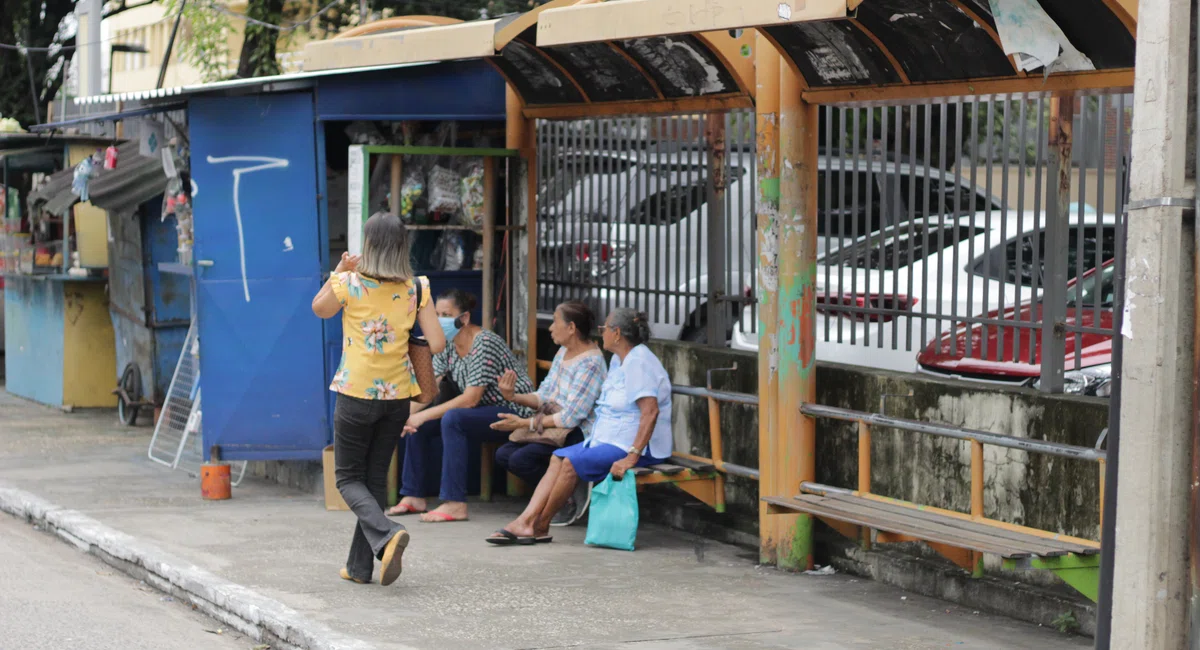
630,229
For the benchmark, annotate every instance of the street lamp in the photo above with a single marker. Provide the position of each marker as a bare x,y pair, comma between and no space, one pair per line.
127,48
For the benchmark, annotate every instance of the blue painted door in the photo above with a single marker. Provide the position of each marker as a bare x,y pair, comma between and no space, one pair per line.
257,269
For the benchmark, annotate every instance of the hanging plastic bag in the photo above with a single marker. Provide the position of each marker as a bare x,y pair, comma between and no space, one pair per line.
443,191
472,195
411,192
613,514
81,178
451,252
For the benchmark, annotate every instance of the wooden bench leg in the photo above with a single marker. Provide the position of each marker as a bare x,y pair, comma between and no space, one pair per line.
487,465
393,480
516,487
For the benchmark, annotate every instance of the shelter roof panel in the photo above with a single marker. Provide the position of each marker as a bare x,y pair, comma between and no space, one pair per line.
536,77
470,40
934,41
836,53
681,66
1095,30
629,19
605,73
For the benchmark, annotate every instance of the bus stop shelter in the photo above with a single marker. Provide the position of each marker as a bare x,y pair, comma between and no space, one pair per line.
569,59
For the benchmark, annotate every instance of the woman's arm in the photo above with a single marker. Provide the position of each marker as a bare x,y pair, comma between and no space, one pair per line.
326,303
649,408
508,384
469,399
430,327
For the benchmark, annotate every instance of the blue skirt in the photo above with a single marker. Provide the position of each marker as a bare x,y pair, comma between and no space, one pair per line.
592,464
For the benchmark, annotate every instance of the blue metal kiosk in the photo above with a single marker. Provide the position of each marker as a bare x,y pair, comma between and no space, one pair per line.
262,238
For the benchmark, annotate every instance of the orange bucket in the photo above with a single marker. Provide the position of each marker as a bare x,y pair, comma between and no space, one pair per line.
214,482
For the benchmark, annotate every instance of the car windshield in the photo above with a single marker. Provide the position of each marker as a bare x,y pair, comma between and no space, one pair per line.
1095,286
898,252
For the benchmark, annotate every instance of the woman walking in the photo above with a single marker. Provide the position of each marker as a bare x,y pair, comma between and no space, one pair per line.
380,303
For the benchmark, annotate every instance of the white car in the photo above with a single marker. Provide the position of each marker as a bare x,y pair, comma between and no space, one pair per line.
653,255
879,299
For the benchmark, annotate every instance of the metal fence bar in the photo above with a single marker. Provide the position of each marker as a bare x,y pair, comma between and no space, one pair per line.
958,433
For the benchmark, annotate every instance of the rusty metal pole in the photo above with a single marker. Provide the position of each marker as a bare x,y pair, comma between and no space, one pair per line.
714,136
796,461
766,130
1054,302
520,133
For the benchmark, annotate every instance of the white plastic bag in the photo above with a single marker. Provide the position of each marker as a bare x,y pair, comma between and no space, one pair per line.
443,191
472,195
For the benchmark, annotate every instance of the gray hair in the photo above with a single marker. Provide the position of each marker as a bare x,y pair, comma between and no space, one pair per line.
385,253
634,325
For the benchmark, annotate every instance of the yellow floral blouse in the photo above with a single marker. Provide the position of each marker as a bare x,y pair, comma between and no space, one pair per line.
376,319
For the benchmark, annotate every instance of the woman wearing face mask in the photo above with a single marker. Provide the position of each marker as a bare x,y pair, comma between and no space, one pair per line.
474,360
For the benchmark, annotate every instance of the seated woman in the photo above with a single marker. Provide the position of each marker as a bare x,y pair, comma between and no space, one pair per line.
573,385
474,360
632,429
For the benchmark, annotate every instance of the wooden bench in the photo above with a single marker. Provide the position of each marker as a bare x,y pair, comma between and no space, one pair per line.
960,537
699,479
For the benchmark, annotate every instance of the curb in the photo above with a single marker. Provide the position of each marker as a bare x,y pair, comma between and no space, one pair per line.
258,617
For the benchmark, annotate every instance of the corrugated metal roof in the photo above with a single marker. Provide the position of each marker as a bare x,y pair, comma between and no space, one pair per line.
136,180
257,84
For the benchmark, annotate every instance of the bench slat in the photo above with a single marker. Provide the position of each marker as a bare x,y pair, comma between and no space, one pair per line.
920,528
695,466
1042,546
663,468
937,524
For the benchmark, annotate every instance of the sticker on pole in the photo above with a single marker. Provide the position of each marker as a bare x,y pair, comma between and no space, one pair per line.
785,11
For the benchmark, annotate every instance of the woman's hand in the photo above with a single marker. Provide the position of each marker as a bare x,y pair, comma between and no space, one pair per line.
508,385
624,465
510,422
348,263
414,422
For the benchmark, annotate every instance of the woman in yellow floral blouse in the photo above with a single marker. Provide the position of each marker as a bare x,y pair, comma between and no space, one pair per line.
380,302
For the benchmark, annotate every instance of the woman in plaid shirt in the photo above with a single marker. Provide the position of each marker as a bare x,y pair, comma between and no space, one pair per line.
574,383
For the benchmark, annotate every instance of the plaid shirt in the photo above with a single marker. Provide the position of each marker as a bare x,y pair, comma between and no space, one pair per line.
575,385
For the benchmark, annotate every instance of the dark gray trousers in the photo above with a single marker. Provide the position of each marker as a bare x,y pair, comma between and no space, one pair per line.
365,435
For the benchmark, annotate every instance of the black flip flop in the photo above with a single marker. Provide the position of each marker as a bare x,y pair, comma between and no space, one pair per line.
544,539
509,539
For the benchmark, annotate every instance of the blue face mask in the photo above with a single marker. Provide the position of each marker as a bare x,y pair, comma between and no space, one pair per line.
449,326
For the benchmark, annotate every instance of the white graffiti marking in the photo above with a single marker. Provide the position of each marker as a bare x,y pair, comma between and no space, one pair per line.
264,163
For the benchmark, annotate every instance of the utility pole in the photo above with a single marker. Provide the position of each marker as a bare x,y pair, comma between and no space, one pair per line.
1150,573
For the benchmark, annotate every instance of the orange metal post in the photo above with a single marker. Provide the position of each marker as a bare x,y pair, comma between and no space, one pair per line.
796,460
977,498
864,472
521,134
718,452
767,63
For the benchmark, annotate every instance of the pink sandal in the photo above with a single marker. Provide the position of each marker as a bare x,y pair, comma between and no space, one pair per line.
440,518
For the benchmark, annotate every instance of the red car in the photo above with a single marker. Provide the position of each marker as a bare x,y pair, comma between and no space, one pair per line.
947,356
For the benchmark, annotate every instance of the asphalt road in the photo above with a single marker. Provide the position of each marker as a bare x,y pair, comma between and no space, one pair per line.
54,597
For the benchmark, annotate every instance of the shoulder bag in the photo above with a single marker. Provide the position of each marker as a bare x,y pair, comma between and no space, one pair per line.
420,358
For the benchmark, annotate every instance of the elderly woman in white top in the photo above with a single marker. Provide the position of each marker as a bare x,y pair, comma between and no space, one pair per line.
632,428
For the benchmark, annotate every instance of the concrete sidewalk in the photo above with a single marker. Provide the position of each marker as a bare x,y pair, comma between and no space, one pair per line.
675,592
